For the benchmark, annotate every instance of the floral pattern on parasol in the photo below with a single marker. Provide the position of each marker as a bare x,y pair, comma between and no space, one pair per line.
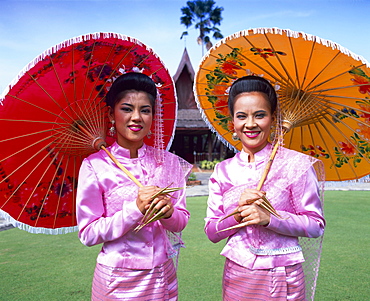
323,90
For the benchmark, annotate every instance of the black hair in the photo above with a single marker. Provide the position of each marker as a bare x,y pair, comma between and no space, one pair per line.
252,83
128,82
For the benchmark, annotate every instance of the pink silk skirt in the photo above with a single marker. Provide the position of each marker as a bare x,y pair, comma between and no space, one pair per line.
281,283
111,283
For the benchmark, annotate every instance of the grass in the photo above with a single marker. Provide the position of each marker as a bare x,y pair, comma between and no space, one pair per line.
344,272
200,264
45,267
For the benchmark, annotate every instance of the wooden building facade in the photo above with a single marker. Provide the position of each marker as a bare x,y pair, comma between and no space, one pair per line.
193,140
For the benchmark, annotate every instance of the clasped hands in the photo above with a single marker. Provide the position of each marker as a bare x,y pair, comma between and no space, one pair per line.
150,196
154,203
249,208
253,209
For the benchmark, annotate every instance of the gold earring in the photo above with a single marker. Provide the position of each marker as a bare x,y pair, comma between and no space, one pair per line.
235,137
149,135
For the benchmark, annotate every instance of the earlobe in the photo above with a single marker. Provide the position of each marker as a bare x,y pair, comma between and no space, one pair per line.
273,121
232,123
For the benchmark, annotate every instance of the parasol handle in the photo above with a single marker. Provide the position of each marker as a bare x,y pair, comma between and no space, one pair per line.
286,126
266,203
268,165
124,169
99,143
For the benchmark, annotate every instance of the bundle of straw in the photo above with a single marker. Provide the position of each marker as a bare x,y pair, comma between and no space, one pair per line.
265,203
152,214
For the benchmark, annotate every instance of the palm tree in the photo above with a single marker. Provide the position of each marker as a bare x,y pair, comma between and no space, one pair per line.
207,17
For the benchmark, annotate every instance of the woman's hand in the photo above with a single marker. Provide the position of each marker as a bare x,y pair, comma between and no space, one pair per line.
249,209
161,202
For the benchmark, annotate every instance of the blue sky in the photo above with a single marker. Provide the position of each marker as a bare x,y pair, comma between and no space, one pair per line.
28,28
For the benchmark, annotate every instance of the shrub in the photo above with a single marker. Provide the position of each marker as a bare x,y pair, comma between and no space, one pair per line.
205,164
192,177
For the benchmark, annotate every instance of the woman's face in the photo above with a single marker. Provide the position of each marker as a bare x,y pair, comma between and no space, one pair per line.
252,120
133,115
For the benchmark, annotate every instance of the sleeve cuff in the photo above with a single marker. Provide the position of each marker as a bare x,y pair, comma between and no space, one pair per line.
227,223
274,223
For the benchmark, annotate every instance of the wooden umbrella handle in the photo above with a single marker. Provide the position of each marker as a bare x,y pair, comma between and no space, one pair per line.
269,163
268,166
286,126
124,169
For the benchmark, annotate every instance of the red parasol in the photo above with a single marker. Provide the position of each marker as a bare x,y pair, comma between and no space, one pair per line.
54,115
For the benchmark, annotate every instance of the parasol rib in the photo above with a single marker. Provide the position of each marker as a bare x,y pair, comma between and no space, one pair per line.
38,107
295,62
49,189
100,72
25,135
327,147
336,76
25,148
24,180
335,143
344,97
88,70
253,63
348,116
281,76
308,63
321,71
54,101
290,79
39,180
74,184
112,73
345,137
58,80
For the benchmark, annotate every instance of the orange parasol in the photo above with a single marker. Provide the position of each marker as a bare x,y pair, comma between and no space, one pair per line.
324,99
54,115
323,88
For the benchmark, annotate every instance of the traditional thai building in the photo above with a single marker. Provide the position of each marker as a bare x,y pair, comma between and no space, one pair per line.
193,140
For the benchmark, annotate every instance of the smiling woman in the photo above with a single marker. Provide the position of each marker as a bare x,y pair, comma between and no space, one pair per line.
252,121
131,101
110,206
133,116
269,249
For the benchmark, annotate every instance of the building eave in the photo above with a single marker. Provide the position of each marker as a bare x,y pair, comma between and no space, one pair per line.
185,61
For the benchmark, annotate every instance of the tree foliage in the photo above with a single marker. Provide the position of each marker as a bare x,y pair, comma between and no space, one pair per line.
205,16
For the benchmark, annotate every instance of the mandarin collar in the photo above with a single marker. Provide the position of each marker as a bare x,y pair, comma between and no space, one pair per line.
258,157
122,152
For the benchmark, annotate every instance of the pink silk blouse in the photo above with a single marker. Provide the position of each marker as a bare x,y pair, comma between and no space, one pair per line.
291,187
107,212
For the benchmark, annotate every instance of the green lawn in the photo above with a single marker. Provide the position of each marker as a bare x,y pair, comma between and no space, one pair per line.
45,267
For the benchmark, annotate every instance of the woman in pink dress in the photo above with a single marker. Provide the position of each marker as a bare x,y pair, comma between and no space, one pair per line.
265,260
132,265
